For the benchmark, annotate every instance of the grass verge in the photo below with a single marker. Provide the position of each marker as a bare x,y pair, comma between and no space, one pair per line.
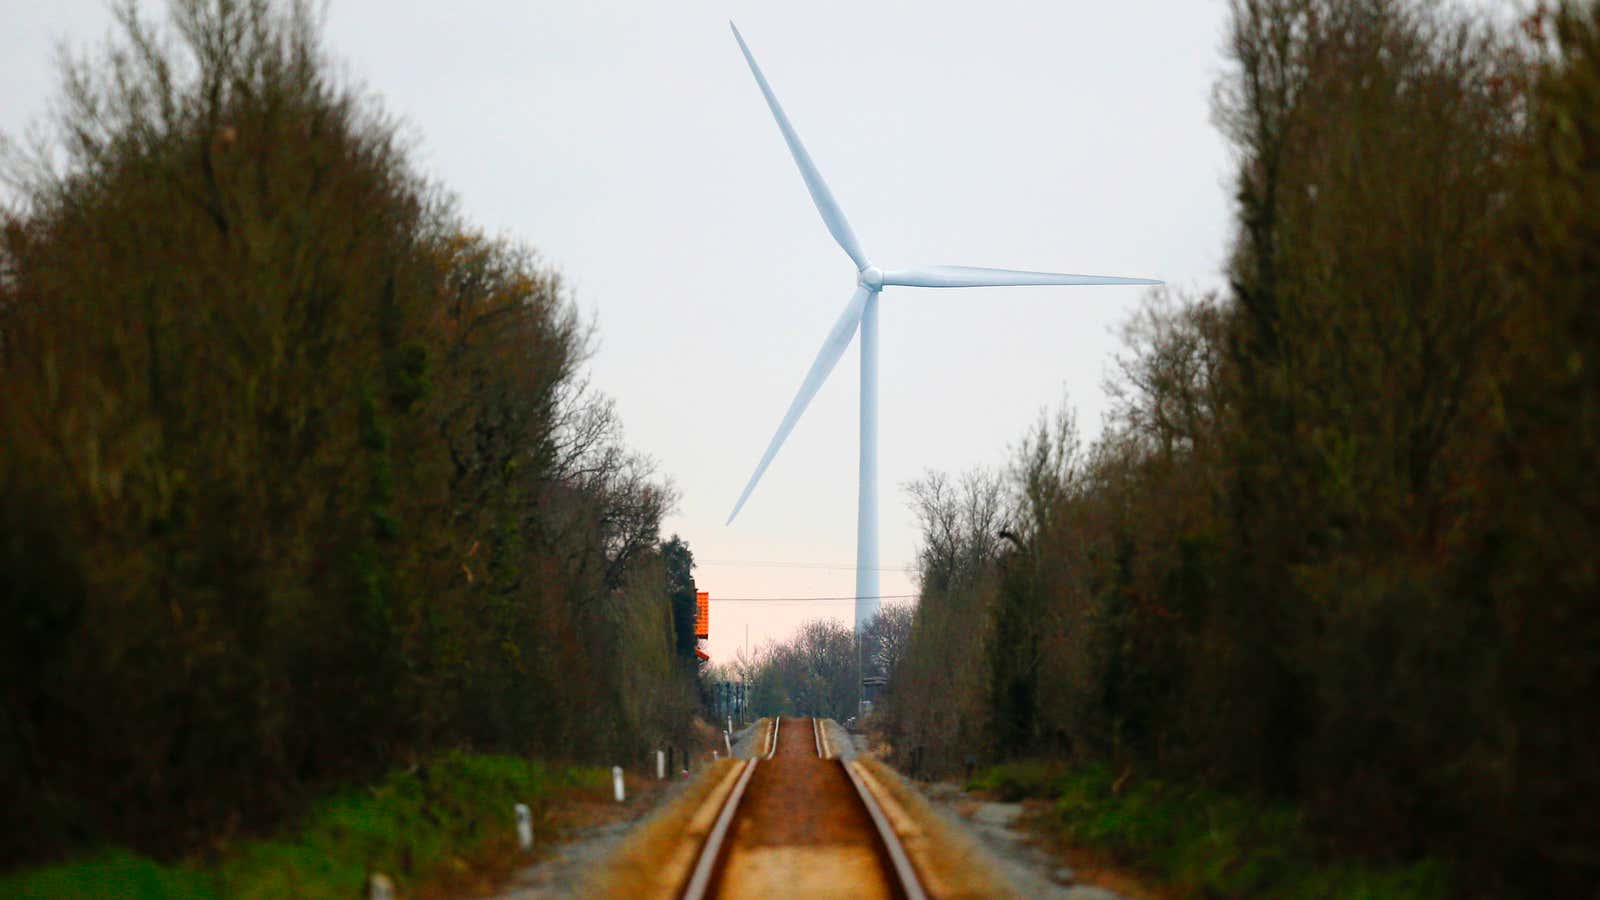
659,855
1204,842
414,826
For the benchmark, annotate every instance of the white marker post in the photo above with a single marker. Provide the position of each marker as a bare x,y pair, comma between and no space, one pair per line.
380,887
661,765
728,742
525,827
616,783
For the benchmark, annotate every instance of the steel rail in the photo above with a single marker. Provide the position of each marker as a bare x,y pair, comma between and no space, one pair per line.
900,863
713,852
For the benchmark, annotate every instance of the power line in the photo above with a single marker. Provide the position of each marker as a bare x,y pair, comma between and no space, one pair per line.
716,599
780,564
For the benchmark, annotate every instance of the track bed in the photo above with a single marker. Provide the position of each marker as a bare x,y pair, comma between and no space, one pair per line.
799,825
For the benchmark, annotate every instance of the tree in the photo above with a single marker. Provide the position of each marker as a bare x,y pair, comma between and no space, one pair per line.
884,638
679,561
813,674
1332,546
1530,564
298,473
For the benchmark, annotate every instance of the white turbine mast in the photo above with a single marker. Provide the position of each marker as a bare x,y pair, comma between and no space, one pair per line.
862,312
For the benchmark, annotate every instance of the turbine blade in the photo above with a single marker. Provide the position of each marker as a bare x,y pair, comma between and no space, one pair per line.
972,276
832,215
837,342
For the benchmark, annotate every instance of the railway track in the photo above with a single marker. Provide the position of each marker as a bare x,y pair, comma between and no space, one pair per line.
799,822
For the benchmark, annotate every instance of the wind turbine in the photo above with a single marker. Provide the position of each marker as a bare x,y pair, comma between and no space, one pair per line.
862,312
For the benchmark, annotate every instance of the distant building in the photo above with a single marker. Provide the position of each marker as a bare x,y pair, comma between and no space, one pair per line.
702,623
871,687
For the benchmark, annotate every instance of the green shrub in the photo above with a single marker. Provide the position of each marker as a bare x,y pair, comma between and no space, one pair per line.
1205,841
1024,780
114,873
408,826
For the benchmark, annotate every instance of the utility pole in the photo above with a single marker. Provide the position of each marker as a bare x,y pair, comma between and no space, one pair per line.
861,678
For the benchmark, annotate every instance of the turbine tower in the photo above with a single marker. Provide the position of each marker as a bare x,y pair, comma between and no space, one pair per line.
862,312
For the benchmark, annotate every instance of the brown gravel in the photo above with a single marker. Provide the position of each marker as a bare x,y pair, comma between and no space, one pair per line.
796,798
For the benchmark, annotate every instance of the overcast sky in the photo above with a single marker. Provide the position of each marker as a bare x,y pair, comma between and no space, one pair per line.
627,142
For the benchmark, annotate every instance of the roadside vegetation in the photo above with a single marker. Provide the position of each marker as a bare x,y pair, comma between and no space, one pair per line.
1331,561
416,826
300,479
1203,842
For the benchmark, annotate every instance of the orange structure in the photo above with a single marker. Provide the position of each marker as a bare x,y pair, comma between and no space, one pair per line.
702,614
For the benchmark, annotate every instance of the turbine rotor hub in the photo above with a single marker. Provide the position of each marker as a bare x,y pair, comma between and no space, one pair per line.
870,278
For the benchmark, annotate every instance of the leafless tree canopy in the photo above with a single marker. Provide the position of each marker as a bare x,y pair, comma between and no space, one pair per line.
1335,543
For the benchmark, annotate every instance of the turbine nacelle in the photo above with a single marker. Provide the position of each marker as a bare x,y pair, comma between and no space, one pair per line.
861,314
870,280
